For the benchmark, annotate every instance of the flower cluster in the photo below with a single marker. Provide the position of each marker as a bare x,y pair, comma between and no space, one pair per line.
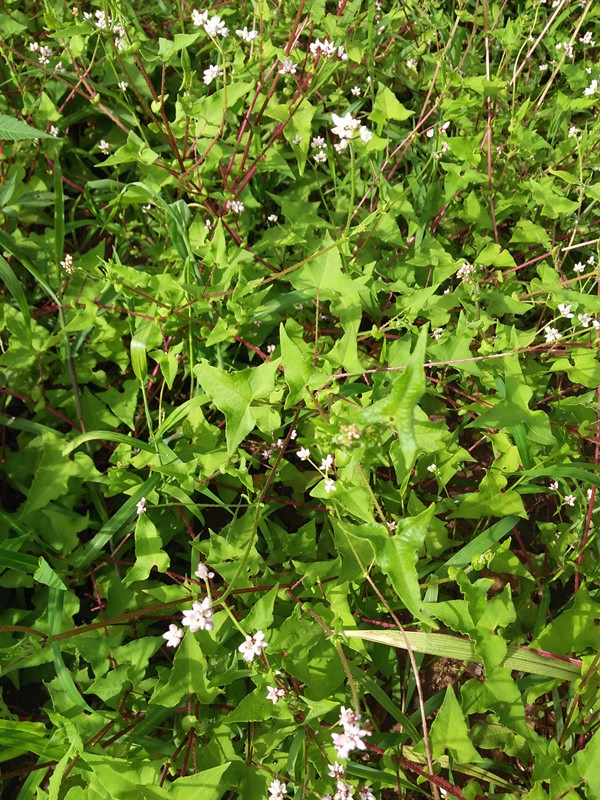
212,73
275,693
214,26
276,790
199,617
67,265
345,128
465,272
352,737
103,22
44,52
326,464
253,646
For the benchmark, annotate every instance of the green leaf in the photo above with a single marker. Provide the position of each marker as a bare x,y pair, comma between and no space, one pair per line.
387,107
149,551
450,732
14,130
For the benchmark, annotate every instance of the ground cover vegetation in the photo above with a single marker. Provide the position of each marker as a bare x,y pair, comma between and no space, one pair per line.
299,389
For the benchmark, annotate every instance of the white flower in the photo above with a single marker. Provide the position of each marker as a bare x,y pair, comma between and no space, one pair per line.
203,573
552,335
322,48
329,486
296,140
554,486
366,793
327,462
141,506
341,145
303,454
216,27
45,54
437,333
591,89
584,319
579,267
321,157
272,217
210,74
235,205
246,35
336,770
277,789
543,67
173,636
319,142
351,739
565,310
54,130
344,791
569,500
104,146
293,434
253,646
199,18
288,67
392,525
123,86
344,126
365,134
341,53
274,694
574,132
591,261
67,264
199,617
356,91
465,272
587,39
411,63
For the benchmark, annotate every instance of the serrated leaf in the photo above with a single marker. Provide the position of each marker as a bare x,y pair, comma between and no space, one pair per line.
15,130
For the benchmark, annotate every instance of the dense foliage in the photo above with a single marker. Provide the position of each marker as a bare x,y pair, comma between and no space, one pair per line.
299,357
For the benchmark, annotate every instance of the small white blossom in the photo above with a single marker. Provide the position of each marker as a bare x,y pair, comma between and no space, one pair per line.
569,500
543,67
341,145
320,157
288,67
584,319
356,91
366,793
253,646
276,790
246,35
552,335
123,86
322,48
411,63
271,348
365,134
199,18
104,146
203,573
344,791
591,89
319,142
296,140
235,205
45,54
293,434
329,486
199,617
553,485
303,454
341,53
344,126
591,261
272,218
351,739
274,694
67,265
392,525
216,27
212,73
141,507
579,267
465,272
173,636
327,462
587,39
54,131
437,333
565,310
574,132
336,770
